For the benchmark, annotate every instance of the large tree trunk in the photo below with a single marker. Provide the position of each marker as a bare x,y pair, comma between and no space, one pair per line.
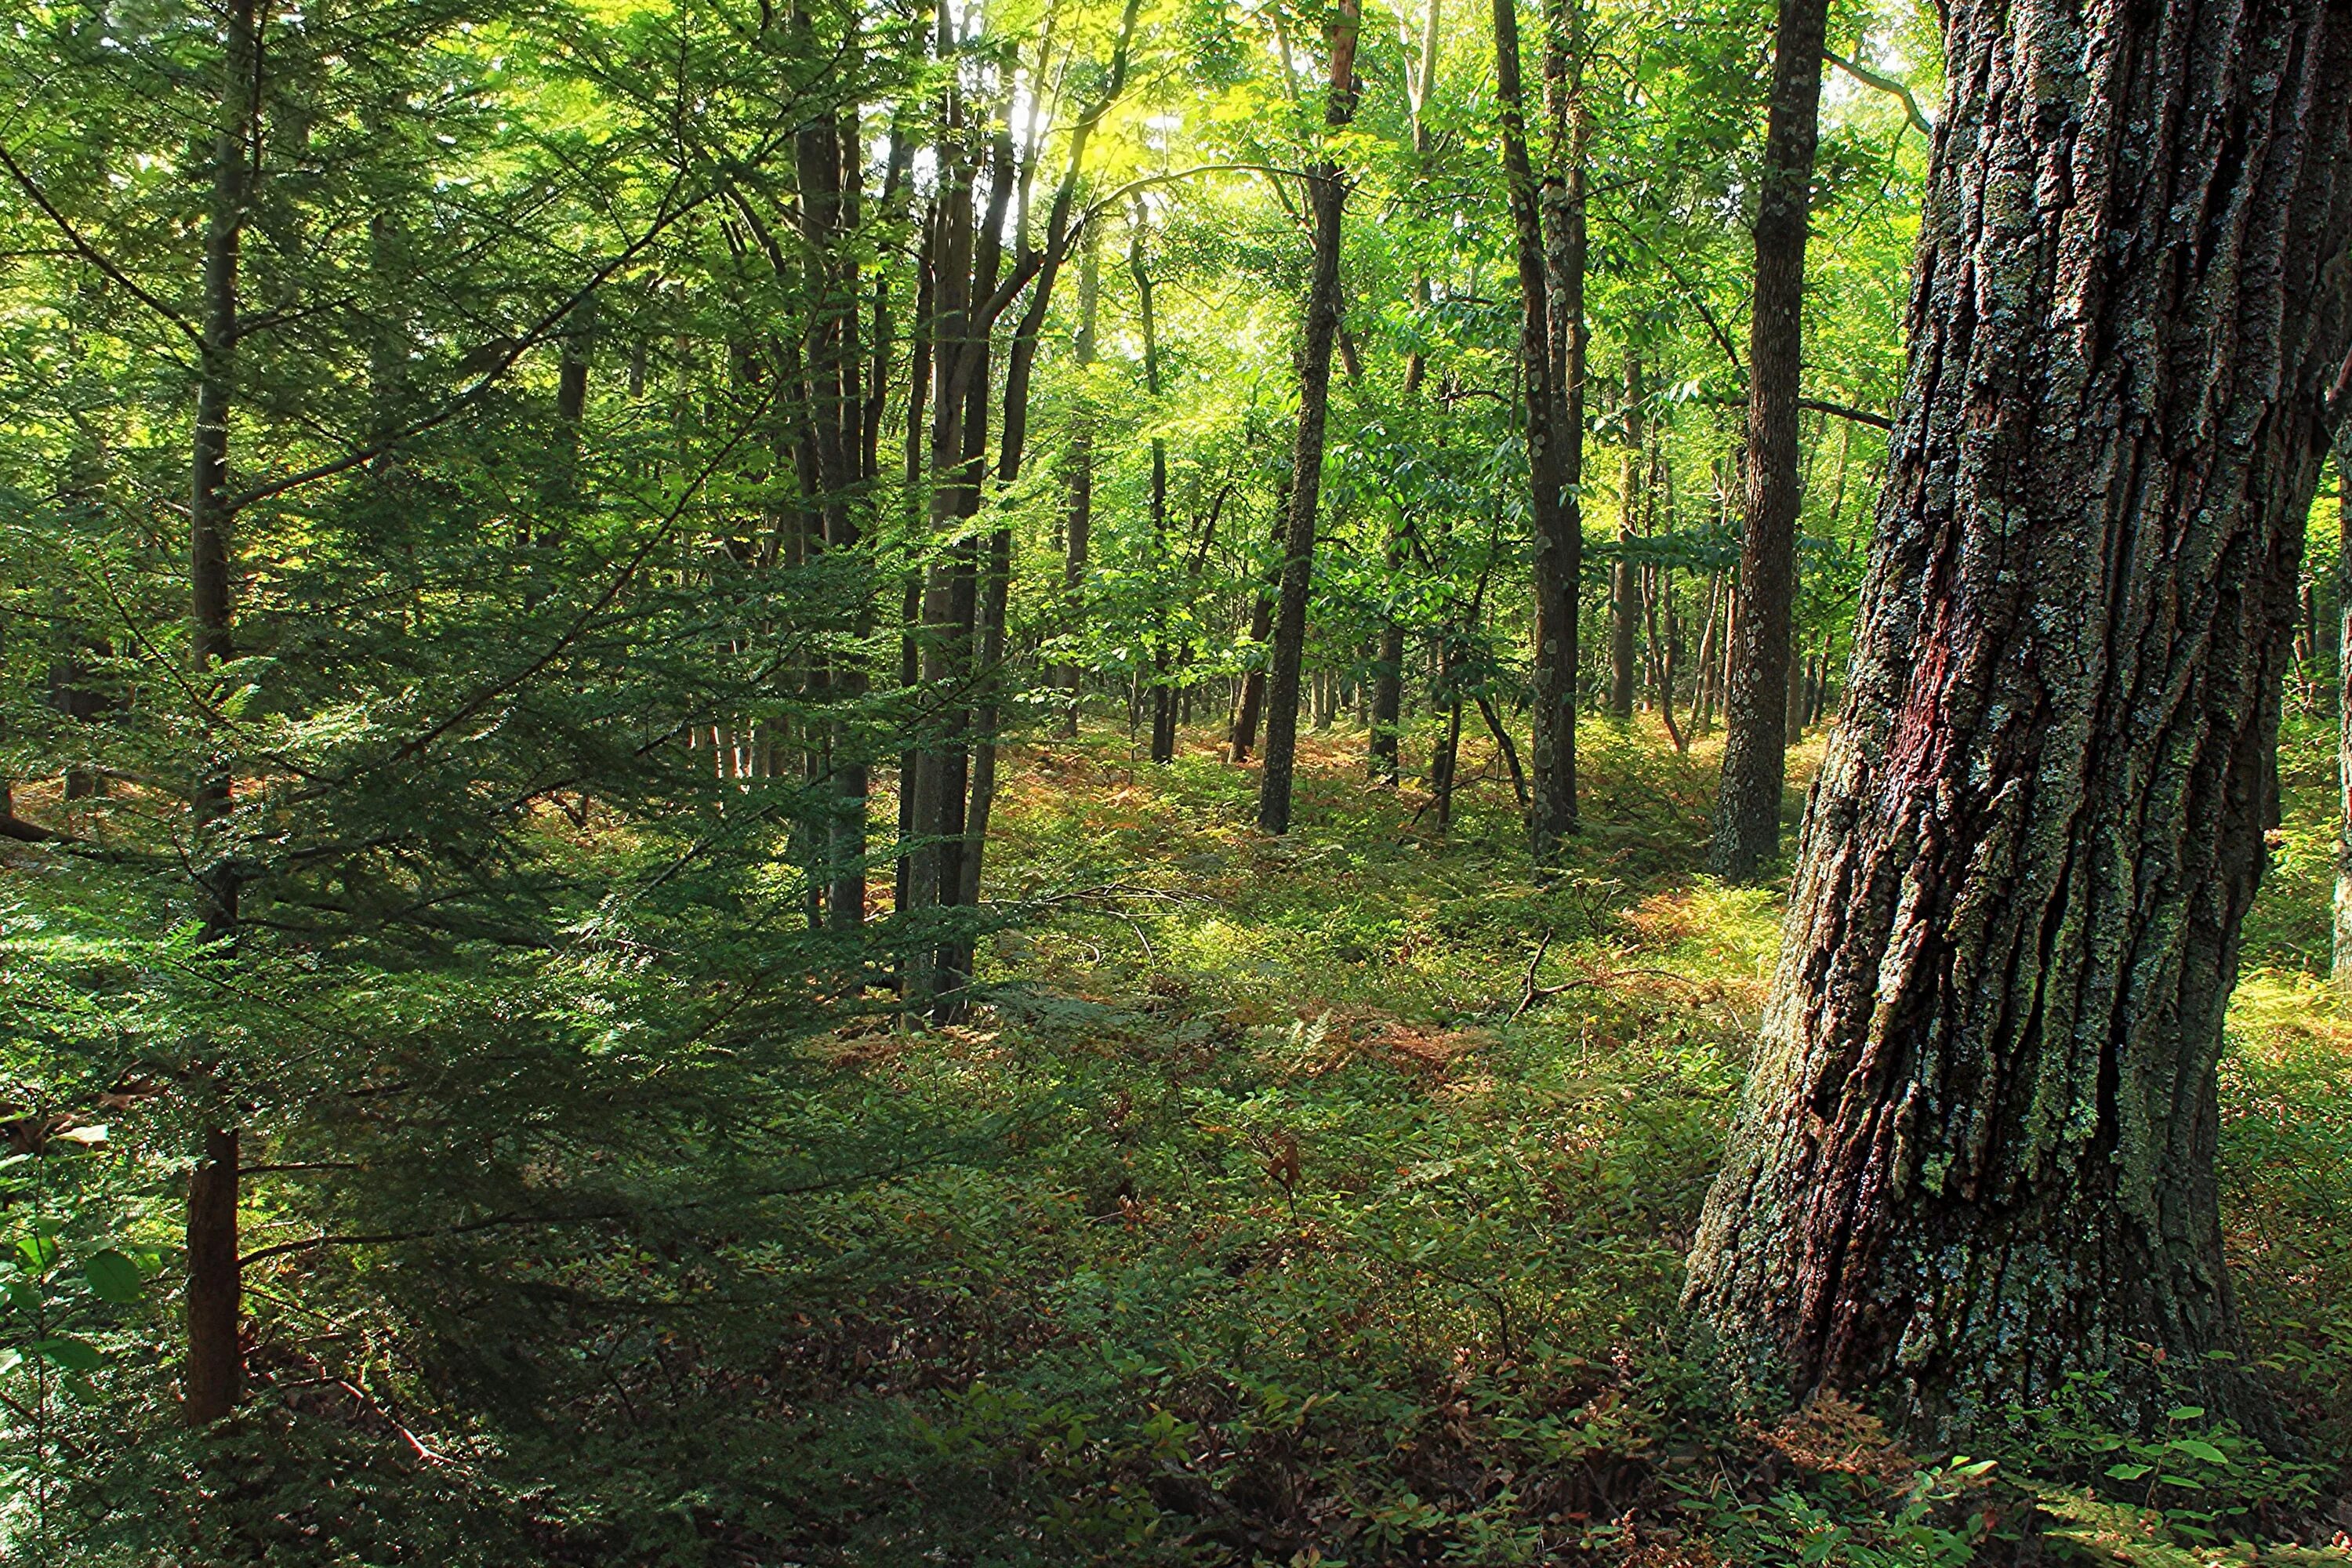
1977,1149
1326,187
213,1377
1755,741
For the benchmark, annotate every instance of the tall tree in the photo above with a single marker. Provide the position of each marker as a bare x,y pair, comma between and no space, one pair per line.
213,1375
1554,814
1624,609
1326,193
1977,1149
2341,954
1559,532
1755,743
1163,671
1078,512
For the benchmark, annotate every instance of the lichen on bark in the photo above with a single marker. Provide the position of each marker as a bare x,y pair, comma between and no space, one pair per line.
1977,1150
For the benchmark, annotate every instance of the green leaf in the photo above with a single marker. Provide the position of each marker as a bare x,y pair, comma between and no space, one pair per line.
37,1254
2197,1447
2128,1472
114,1277
74,1355
2185,1412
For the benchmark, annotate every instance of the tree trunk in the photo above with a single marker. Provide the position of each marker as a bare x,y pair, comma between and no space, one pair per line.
921,330
1703,661
1326,186
2342,954
1559,528
1261,622
1622,610
213,1377
1163,689
1976,1152
1794,709
1080,512
1755,746
1388,685
825,155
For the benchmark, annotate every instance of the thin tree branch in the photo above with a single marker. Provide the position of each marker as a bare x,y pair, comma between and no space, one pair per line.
91,254
539,333
1885,84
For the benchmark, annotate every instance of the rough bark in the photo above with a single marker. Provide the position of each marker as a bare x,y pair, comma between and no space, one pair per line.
1327,188
1976,1152
1755,743
1559,541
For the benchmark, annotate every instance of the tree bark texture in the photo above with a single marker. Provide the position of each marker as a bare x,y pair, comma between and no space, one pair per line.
1977,1149
1559,558
1326,189
1754,742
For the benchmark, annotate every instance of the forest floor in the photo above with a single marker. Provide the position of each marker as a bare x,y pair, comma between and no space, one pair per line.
1345,1187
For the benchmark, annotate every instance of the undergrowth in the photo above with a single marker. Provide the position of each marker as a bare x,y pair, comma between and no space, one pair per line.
1352,1227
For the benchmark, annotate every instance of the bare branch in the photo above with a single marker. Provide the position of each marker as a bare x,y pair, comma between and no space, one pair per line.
1885,84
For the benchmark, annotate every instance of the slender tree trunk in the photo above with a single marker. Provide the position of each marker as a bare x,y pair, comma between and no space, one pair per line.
1163,691
213,1375
1388,682
1261,623
922,332
825,155
1080,512
1703,661
1794,709
1558,543
1977,1149
1623,610
1327,185
1755,747
2343,932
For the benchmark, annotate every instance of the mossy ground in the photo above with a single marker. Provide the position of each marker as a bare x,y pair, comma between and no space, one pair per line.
1334,1226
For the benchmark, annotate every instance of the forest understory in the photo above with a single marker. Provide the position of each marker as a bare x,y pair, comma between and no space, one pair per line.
1333,1206
619,946
1355,1184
